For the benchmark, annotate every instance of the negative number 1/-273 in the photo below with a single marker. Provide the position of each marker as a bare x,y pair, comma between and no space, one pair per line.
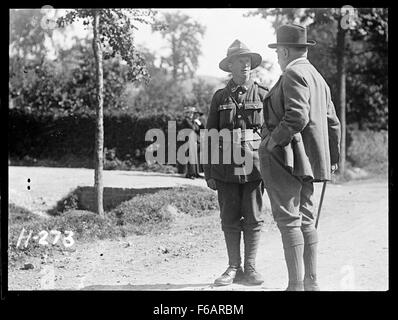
67,240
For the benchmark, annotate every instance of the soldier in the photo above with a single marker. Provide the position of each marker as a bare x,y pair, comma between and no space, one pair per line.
192,121
238,109
301,135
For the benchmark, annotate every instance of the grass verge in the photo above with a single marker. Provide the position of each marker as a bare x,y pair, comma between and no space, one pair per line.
143,214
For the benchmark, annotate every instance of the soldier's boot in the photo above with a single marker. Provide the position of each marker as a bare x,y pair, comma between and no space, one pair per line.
234,273
251,240
231,275
310,255
293,246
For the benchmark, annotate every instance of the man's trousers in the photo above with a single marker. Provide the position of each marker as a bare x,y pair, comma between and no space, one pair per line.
291,197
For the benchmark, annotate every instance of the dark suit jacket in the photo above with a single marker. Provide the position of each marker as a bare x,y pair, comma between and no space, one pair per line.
300,116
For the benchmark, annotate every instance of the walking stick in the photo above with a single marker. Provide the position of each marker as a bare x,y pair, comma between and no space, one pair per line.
320,204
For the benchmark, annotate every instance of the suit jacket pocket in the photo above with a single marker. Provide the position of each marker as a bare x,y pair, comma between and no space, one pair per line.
293,150
288,156
296,158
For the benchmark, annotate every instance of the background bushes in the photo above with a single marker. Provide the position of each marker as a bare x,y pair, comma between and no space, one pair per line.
54,136
369,150
70,139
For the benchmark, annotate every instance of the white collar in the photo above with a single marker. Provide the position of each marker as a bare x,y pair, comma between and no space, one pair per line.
294,61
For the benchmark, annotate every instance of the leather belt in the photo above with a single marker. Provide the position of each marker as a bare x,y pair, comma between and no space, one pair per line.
239,135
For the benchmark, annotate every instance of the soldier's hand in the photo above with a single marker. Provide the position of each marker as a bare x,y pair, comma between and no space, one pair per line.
334,167
211,183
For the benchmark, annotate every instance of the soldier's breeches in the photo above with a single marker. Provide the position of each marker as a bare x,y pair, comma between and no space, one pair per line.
241,205
291,197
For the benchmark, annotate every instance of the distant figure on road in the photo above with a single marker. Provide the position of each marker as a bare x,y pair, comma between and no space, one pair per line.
192,121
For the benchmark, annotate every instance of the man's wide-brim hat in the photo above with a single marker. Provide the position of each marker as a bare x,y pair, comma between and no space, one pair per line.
237,48
292,35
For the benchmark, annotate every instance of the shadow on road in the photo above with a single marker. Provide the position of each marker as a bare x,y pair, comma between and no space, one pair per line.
149,174
183,287
161,287
156,174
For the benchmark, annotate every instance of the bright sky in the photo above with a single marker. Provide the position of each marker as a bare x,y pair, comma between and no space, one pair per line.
223,26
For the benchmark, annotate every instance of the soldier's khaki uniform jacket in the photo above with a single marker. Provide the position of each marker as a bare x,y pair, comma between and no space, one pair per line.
242,114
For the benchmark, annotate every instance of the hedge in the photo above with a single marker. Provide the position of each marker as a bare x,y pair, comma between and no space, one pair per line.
51,137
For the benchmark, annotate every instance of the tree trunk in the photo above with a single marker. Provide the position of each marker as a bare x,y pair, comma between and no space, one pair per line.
99,132
174,57
341,84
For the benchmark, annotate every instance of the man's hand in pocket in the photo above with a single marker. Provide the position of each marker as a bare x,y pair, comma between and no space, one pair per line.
271,144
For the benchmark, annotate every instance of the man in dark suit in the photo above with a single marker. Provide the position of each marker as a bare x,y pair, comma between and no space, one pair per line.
236,111
300,146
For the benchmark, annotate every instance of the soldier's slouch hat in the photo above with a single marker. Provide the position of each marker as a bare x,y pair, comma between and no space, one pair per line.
238,48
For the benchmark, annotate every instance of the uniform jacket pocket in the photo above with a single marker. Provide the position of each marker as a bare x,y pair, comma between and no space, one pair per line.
226,115
254,112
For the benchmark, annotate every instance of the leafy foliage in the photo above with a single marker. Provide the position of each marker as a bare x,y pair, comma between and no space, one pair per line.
116,34
369,150
163,94
366,57
52,102
66,86
27,38
182,35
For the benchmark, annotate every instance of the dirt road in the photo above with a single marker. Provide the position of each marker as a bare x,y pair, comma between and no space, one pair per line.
353,249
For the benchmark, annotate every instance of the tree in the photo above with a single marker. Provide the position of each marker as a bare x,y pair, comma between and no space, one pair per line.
112,35
182,35
339,32
163,94
67,84
34,39
27,37
202,94
26,43
367,69
260,74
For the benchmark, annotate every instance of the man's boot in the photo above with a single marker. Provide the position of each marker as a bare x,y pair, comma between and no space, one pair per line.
251,239
310,254
234,273
293,246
